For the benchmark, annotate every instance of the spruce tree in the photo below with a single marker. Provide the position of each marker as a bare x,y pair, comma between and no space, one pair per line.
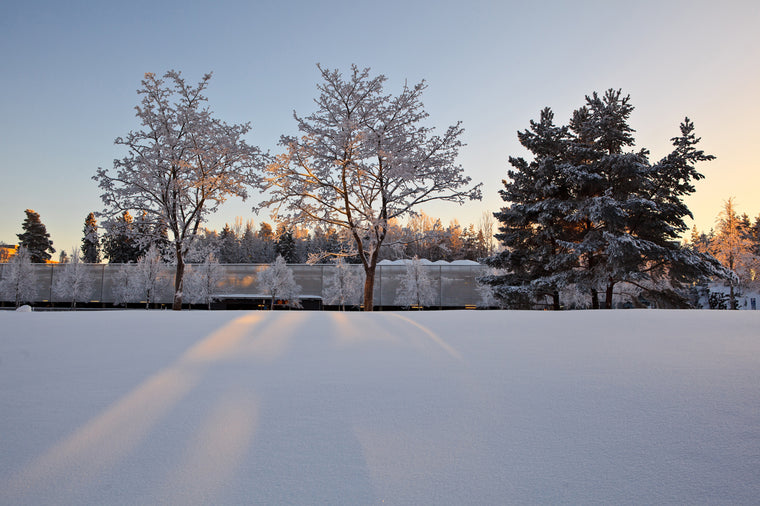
35,238
90,241
228,246
590,211
286,245
119,243
534,262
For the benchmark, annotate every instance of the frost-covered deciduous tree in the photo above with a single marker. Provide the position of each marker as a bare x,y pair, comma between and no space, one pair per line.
734,249
91,241
203,281
180,166
17,284
150,276
277,282
365,157
35,238
73,283
125,289
343,286
416,288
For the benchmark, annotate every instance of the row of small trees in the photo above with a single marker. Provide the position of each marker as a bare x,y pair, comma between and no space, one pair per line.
126,239
147,279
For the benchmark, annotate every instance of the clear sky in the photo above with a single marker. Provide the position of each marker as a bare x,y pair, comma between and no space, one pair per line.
69,72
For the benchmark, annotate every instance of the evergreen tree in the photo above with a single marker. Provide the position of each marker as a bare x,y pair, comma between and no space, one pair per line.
266,247
589,211
286,245
35,238
91,241
248,244
534,262
119,242
228,246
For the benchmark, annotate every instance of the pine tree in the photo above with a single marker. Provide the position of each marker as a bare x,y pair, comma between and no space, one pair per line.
590,212
286,245
35,238
91,241
18,283
228,246
119,242
535,263
248,243
266,244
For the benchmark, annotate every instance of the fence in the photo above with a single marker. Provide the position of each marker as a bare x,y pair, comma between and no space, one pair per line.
455,284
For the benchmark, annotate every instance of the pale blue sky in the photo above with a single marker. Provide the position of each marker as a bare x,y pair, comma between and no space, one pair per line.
70,71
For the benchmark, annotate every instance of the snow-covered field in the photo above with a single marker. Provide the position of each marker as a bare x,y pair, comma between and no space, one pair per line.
606,407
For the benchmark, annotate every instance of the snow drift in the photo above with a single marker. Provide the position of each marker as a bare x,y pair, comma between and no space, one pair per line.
133,407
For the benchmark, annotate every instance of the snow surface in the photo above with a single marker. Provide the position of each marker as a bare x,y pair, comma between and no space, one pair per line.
465,407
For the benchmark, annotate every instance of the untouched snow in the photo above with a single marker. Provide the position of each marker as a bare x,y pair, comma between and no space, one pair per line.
608,407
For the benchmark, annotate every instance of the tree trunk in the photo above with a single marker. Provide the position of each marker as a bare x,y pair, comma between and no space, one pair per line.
732,296
594,299
369,287
178,280
555,300
608,297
